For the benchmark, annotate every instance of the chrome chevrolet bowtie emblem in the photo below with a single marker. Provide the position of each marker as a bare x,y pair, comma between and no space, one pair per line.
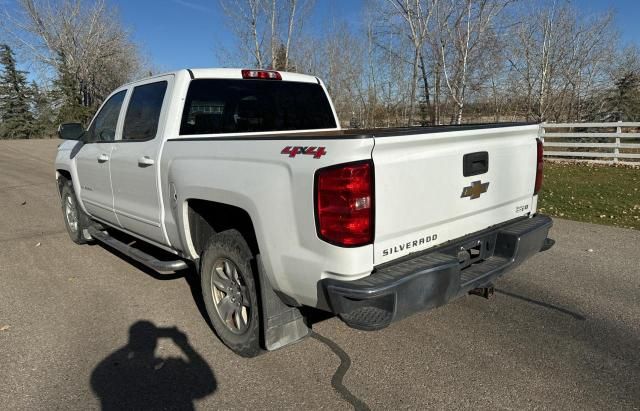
474,190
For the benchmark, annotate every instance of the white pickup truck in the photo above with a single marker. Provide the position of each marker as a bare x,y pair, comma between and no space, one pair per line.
246,176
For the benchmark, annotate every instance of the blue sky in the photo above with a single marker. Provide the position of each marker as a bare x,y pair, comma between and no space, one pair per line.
188,33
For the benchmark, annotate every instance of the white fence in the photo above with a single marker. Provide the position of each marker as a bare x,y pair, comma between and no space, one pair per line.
607,152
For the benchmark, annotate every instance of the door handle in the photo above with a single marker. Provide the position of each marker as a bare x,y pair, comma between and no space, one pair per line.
145,161
103,158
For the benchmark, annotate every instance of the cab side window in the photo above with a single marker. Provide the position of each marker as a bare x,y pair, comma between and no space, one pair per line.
143,113
104,126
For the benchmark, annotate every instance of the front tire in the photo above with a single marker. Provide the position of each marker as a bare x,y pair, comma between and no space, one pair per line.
75,220
229,292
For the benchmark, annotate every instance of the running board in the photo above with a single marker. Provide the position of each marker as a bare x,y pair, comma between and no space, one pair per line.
162,267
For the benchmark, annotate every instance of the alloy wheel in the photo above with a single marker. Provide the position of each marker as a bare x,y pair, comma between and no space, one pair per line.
230,296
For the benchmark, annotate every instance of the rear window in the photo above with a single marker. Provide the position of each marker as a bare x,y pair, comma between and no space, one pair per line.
239,106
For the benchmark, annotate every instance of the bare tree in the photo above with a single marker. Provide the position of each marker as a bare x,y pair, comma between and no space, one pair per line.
266,30
462,33
394,60
246,20
84,45
559,57
415,15
481,59
339,58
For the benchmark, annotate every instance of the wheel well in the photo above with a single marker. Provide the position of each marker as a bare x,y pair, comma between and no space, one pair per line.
209,217
63,176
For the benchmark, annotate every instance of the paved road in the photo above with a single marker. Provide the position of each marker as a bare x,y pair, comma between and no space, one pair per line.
563,332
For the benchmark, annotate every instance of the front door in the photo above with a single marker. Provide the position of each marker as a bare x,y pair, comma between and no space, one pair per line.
93,160
134,162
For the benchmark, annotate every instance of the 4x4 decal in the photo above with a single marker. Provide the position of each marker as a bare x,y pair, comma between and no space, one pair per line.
316,152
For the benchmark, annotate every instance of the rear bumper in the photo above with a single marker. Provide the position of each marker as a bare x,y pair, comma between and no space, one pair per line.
428,280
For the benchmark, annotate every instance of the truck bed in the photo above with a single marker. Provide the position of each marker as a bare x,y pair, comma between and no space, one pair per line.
355,133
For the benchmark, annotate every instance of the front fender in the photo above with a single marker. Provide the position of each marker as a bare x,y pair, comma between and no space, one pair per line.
65,161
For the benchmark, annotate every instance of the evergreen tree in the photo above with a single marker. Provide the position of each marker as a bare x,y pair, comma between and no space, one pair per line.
280,60
17,120
627,98
73,104
618,103
44,114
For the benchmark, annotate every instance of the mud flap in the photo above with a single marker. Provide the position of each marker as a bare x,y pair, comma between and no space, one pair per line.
281,324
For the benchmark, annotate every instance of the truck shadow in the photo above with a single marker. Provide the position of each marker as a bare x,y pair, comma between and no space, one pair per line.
338,376
575,315
600,348
133,377
190,275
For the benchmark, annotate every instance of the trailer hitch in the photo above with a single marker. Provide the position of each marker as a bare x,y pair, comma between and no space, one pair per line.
487,292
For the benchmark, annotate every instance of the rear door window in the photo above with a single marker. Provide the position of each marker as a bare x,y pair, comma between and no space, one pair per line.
143,113
237,106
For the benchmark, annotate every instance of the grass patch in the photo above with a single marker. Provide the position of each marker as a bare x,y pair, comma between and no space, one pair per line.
592,193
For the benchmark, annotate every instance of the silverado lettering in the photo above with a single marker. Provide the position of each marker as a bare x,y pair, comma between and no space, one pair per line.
409,244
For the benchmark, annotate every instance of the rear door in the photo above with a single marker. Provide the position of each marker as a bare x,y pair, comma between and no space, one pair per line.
425,195
135,160
93,160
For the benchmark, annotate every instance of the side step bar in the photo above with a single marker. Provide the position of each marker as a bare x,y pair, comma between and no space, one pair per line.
162,267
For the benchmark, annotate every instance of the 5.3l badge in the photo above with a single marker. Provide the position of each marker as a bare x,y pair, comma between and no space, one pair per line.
474,190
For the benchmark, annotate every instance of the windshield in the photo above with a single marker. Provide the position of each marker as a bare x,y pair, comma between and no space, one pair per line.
240,106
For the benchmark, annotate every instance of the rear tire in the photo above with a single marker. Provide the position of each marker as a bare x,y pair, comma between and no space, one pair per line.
75,220
229,291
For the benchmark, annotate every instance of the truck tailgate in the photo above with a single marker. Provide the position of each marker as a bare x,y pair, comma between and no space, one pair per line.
422,198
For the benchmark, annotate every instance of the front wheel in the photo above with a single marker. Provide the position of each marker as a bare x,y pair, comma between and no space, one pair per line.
75,220
229,292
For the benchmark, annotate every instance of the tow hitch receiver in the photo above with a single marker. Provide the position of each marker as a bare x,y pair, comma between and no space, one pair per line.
485,292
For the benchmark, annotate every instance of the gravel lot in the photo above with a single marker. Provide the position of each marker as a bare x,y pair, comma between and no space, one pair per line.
563,331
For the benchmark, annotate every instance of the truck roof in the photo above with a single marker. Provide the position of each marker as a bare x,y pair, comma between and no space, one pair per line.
231,73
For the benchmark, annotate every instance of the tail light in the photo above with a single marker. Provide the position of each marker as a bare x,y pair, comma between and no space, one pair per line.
261,74
539,166
344,204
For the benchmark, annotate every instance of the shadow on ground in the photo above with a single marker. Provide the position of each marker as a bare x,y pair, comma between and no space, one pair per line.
133,377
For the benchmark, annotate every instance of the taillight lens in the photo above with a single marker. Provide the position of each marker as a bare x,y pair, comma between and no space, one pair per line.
261,74
344,204
539,165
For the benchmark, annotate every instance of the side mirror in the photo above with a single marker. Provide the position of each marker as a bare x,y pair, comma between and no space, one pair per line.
70,131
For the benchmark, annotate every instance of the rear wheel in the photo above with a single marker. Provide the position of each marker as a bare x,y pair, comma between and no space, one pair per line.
229,292
75,220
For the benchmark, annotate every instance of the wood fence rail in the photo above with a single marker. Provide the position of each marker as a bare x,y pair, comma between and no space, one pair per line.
593,139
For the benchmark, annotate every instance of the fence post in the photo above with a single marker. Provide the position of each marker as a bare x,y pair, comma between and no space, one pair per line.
616,149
